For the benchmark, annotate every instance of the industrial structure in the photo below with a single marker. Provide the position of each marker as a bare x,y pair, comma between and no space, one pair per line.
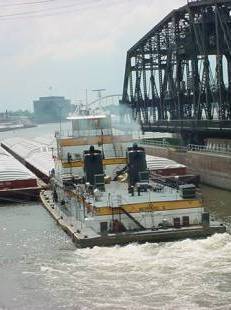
178,76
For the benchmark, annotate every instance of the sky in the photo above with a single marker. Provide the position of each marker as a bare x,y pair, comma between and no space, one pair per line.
63,47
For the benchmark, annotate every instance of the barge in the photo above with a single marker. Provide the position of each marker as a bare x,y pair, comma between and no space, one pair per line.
17,183
165,167
35,154
102,194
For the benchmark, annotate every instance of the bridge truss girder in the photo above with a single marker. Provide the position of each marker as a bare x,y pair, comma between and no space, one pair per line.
181,69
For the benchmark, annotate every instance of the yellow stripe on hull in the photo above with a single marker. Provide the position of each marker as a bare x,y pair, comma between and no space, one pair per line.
94,140
115,161
152,206
73,164
141,207
106,162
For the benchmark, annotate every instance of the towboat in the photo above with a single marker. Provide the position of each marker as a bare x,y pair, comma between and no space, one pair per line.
101,192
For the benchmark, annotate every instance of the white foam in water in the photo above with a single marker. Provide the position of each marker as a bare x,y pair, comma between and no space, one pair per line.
190,274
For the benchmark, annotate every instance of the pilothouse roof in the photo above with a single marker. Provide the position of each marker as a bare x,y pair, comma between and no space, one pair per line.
86,117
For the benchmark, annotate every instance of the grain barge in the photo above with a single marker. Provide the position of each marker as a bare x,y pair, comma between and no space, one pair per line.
17,183
35,154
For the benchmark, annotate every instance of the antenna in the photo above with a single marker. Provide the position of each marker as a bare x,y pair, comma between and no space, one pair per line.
99,93
86,94
50,88
60,119
78,105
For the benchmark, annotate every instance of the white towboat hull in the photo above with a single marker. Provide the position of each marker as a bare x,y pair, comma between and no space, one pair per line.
160,235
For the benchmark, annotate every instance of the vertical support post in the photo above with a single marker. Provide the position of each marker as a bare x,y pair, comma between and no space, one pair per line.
161,106
145,97
194,67
208,96
152,81
179,77
219,68
228,57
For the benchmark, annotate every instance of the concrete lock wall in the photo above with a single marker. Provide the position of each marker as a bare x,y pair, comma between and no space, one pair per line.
214,169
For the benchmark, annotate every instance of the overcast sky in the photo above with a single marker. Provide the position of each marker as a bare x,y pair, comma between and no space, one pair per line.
73,45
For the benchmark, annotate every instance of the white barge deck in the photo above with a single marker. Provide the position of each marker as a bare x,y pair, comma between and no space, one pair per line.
35,154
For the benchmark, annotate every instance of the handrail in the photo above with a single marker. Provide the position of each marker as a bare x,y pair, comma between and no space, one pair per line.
189,147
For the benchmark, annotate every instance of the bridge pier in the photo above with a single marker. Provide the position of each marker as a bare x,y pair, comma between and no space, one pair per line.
190,137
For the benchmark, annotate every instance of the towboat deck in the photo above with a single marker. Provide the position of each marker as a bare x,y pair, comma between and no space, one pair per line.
88,238
116,191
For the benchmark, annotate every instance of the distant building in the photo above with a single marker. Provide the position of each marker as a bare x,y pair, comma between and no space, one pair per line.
51,109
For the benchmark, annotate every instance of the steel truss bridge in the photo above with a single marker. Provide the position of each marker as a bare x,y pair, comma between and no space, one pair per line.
180,72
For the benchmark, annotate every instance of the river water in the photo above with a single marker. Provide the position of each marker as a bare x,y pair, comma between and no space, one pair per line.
41,269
